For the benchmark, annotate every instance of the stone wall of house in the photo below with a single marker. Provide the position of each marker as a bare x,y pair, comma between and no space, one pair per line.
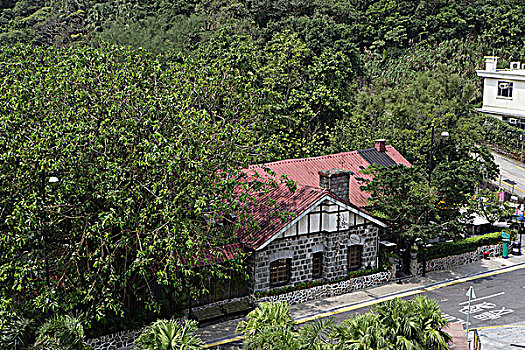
332,289
300,250
447,262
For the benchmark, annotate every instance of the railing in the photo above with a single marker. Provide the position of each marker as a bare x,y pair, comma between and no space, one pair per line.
474,342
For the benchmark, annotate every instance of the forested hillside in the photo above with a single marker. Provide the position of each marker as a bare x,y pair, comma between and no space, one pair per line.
317,59
146,111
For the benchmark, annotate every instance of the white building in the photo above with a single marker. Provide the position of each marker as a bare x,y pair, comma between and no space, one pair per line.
504,91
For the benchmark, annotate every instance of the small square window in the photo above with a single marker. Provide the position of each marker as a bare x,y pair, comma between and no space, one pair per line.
355,253
317,268
505,88
280,272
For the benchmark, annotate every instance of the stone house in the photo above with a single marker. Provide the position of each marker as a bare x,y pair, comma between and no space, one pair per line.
327,231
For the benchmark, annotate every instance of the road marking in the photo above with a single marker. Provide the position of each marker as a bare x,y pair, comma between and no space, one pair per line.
225,341
502,326
451,318
477,299
493,315
519,189
386,298
519,167
358,306
477,308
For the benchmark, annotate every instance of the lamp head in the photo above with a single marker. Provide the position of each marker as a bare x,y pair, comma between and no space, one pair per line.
53,180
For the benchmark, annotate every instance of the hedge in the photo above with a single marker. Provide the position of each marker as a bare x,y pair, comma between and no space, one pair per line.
440,250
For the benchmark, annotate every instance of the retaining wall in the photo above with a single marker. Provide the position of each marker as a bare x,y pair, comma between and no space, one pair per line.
116,341
448,262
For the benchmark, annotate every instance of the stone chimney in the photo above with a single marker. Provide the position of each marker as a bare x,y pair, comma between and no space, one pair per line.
336,181
491,63
380,145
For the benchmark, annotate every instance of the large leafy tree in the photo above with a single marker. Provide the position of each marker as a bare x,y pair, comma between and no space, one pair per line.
401,195
147,150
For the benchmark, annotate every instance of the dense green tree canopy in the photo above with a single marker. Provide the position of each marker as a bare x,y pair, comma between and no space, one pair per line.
147,150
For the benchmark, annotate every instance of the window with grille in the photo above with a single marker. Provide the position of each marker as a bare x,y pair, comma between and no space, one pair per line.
505,88
317,265
354,256
280,272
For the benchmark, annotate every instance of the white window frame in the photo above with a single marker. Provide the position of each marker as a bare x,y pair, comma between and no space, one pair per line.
505,88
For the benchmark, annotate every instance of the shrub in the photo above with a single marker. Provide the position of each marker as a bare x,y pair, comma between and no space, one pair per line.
440,250
169,335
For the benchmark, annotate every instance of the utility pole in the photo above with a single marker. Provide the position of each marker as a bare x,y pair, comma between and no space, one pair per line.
522,137
444,134
431,155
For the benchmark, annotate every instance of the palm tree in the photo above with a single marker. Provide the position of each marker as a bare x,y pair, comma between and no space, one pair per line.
315,335
169,335
271,327
413,324
60,333
400,318
264,316
431,324
362,332
17,333
272,337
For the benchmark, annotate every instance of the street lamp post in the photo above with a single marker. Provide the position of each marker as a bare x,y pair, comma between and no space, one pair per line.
44,181
444,134
522,137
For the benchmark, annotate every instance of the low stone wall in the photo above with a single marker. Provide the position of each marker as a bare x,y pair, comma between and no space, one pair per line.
116,341
448,262
119,341
332,289
248,298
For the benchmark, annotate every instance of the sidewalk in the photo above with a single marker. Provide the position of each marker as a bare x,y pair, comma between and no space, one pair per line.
306,311
503,337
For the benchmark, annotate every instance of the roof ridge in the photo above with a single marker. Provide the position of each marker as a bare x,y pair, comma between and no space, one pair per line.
297,160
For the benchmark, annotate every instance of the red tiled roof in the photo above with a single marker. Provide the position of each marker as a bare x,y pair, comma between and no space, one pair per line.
276,209
267,209
305,171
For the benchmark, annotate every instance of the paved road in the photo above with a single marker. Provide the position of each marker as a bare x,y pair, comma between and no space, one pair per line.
499,303
499,300
511,172
498,311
